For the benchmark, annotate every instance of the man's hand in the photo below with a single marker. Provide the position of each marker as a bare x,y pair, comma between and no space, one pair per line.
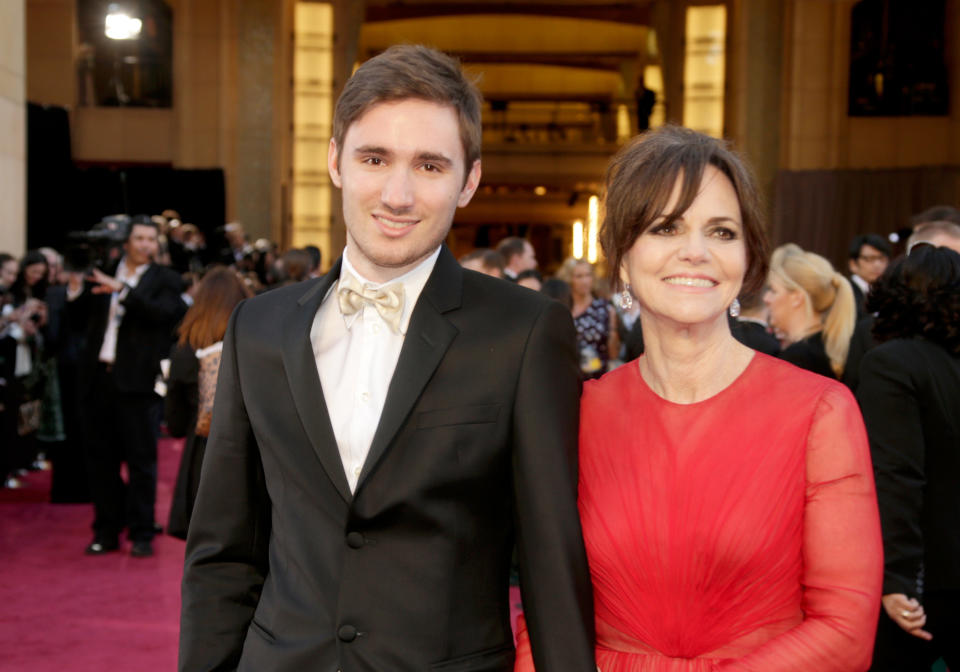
908,613
105,283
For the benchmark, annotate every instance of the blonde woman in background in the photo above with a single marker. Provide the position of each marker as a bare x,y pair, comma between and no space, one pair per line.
812,308
593,317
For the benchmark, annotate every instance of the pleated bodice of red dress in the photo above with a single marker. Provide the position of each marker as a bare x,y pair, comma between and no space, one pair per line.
737,533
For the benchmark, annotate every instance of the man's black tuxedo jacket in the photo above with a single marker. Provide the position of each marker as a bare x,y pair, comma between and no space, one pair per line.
909,392
286,570
152,310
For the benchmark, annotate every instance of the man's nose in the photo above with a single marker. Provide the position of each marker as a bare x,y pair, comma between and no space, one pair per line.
397,192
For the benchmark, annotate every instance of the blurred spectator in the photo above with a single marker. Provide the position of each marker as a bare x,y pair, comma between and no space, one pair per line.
558,290
938,234
937,213
518,256
812,309
192,381
531,279
593,317
237,247
750,327
869,256
55,275
909,392
296,266
31,282
484,260
315,258
9,268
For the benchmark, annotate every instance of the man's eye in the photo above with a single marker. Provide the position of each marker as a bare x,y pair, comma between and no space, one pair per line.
373,160
431,167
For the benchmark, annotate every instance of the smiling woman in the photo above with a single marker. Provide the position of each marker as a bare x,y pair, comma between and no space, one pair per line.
706,547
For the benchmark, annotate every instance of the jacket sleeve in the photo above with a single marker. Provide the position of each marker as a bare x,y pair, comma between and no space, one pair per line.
555,580
888,397
842,551
227,544
159,302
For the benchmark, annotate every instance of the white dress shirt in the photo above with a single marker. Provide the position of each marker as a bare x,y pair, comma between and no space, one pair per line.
108,351
356,356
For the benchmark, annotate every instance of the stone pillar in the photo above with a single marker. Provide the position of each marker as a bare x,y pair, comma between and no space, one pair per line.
347,20
752,106
13,127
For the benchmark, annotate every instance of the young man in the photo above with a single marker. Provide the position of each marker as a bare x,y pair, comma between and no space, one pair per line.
367,465
869,258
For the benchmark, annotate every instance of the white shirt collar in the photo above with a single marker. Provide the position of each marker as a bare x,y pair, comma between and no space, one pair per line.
861,283
413,282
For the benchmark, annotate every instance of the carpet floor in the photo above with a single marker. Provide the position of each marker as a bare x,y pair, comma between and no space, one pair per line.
63,610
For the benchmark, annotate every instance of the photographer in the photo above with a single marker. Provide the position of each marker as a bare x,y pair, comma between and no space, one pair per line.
130,311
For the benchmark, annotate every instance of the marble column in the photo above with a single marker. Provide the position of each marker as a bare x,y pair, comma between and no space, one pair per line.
13,127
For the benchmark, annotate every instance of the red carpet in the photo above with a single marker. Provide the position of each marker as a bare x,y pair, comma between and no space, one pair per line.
63,610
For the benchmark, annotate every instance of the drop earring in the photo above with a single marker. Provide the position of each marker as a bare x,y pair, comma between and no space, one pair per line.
626,298
735,308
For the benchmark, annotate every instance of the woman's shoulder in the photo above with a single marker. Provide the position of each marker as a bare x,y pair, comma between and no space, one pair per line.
610,385
778,373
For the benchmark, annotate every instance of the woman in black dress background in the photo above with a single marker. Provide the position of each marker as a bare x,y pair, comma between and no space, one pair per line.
201,336
909,393
812,309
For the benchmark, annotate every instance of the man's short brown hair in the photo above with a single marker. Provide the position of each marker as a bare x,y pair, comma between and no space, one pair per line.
641,178
412,71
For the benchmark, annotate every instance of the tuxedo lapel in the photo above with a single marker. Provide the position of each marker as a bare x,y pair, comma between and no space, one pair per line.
301,369
428,337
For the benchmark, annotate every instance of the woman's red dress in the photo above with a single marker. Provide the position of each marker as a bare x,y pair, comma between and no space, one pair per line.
737,533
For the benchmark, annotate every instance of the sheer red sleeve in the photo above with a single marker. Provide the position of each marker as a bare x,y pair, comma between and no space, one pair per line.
842,551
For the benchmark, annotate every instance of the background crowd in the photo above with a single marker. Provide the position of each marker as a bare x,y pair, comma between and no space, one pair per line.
71,326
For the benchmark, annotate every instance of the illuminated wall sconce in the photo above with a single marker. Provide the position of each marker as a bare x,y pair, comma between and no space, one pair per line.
119,25
592,226
578,239
540,190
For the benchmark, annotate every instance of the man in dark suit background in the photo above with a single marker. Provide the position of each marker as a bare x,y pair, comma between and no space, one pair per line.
380,434
129,313
869,258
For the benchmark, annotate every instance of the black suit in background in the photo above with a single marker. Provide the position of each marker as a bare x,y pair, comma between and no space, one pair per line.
859,299
287,570
754,335
121,412
809,353
909,392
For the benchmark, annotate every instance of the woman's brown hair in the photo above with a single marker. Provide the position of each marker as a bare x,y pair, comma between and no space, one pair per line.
641,178
218,294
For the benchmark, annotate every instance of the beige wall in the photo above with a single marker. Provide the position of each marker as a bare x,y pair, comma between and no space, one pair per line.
817,133
12,127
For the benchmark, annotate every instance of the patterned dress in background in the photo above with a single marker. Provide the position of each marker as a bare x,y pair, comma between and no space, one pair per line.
593,333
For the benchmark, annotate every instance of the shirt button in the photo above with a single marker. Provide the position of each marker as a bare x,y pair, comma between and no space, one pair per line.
355,540
347,633
364,397
357,470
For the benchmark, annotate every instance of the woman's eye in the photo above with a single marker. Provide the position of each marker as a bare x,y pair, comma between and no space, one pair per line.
664,229
725,233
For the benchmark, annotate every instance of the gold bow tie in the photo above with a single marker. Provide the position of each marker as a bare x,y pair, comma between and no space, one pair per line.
388,300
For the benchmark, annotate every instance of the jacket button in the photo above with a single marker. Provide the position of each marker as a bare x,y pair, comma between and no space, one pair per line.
355,540
347,633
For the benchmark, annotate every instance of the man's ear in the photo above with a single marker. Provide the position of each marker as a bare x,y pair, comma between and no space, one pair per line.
333,164
470,185
852,264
